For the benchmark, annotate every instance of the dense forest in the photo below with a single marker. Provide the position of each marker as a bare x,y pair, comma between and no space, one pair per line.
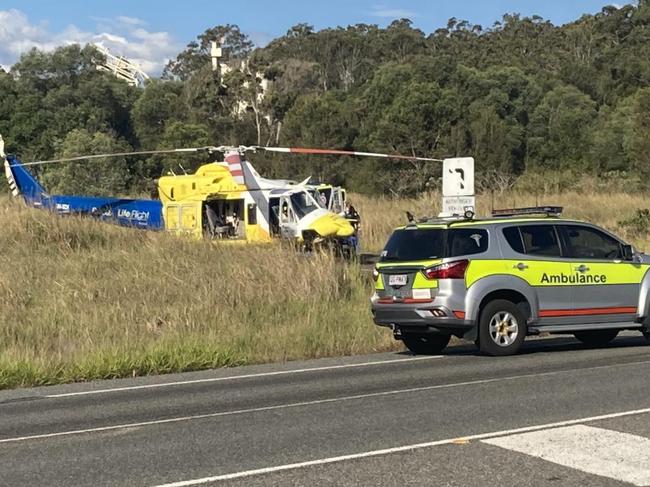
522,96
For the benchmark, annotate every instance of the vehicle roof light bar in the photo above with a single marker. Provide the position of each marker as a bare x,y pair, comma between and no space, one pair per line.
531,210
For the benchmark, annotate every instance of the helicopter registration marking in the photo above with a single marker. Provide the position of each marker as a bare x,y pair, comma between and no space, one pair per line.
397,280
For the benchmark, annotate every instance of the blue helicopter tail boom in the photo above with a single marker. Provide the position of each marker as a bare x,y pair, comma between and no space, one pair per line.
145,214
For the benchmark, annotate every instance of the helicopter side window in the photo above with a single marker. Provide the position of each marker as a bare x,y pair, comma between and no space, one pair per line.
251,211
327,193
337,205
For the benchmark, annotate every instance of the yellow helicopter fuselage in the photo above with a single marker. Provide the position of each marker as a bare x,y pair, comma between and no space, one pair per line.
214,202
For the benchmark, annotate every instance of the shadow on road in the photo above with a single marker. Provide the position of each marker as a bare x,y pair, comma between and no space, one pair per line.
546,344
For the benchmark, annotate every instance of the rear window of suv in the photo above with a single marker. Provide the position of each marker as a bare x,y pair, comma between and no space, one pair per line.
539,240
410,244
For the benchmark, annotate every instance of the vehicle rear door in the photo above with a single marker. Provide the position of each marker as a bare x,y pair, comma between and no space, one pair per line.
538,259
407,253
605,287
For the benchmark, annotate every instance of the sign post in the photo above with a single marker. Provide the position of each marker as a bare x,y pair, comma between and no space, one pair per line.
457,186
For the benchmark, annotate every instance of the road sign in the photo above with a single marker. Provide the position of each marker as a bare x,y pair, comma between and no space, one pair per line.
458,176
457,205
458,186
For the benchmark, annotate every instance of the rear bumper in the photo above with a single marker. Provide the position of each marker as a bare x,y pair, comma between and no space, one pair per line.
420,318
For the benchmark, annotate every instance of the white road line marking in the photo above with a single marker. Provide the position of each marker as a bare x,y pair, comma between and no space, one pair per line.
304,403
235,377
387,451
619,456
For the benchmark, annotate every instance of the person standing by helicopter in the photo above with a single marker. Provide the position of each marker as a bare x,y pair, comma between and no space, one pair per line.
353,215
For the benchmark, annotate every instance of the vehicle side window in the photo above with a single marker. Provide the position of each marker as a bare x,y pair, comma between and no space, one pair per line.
590,243
467,241
513,237
540,240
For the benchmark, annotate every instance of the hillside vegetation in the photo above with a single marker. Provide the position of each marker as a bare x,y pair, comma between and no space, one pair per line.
84,300
521,95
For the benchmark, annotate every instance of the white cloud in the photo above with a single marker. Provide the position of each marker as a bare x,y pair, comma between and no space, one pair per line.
130,20
392,13
124,36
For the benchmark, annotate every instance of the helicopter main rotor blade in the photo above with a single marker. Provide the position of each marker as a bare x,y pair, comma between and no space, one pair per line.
335,152
241,149
118,154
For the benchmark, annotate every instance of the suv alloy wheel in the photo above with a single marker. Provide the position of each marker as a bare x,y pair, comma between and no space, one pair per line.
502,328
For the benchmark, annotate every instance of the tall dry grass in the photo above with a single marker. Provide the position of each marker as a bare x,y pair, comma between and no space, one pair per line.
84,300
604,208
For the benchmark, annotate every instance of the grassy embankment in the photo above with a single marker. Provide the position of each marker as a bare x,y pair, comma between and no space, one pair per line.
83,300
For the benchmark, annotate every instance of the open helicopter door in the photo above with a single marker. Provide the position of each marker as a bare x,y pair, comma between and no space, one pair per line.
288,219
337,201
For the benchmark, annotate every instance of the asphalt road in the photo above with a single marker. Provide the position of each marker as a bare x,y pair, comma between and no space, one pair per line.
557,414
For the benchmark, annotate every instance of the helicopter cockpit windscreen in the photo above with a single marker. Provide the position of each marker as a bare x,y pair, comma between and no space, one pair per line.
303,204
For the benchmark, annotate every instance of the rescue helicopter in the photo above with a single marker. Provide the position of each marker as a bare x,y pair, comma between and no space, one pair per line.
226,200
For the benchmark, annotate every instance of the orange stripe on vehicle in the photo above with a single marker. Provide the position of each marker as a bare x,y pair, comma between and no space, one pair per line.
547,313
460,315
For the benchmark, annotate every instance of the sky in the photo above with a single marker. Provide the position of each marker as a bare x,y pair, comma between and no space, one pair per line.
152,31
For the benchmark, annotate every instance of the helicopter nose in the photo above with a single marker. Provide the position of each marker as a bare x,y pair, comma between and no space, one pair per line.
345,228
333,226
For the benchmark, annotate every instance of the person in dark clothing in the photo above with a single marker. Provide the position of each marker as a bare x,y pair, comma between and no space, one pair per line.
353,215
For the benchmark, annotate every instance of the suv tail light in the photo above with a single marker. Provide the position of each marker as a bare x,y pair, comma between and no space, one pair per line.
448,270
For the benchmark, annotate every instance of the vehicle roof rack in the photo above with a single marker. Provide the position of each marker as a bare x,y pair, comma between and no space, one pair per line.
531,210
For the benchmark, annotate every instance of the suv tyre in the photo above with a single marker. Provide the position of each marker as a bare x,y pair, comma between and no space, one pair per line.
426,344
502,328
596,338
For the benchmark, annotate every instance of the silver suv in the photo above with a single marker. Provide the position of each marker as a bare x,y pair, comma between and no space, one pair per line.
497,280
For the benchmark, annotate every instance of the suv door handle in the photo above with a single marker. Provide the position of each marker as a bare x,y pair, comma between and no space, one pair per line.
521,266
582,268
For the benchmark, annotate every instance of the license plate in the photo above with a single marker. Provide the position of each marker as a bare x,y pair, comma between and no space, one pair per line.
421,293
397,280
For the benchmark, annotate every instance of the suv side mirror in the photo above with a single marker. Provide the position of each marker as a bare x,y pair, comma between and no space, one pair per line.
628,252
